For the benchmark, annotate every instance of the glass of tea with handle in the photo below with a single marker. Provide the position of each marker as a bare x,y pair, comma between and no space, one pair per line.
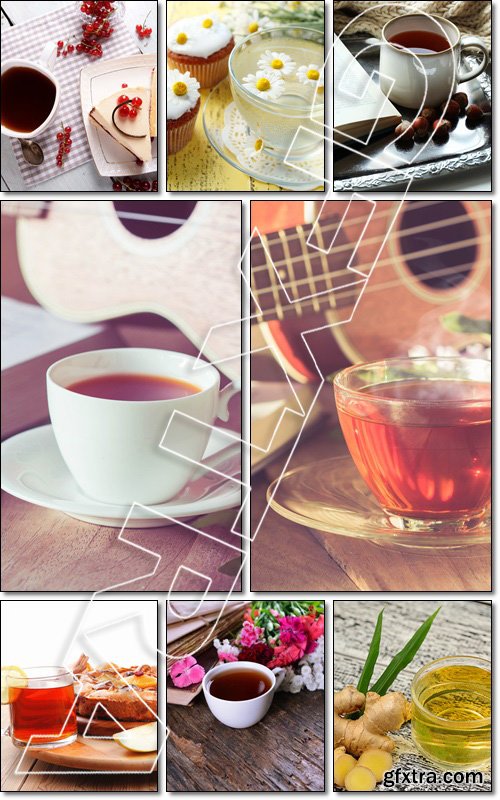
419,432
42,706
451,711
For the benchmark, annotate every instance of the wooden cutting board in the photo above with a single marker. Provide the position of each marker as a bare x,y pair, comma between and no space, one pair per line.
95,754
103,727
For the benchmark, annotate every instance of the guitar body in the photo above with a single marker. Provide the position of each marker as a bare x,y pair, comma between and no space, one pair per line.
80,262
435,260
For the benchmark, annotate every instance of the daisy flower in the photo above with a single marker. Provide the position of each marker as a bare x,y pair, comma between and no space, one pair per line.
264,84
254,147
246,22
182,85
311,75
279,63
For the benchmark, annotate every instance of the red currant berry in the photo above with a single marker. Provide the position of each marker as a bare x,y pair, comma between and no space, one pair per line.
79,48
141,35
117,187
59,163
155,186
124,111
60,135
70,48
94,52
67,129
138,28
60,44
139,162
124,85
145,186
137,102
68,142
65,53
133,113
67,150
124,98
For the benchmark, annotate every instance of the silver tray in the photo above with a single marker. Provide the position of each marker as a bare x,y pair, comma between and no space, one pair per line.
465,149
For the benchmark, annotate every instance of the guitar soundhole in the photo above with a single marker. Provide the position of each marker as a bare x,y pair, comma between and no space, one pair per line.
153,219
433,252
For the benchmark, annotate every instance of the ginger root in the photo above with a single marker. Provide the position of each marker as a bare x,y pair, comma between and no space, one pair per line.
381,714
360,779
343,763
378,761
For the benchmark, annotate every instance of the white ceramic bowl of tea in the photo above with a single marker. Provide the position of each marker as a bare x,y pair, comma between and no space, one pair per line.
277,122
242,713
112,446
43,67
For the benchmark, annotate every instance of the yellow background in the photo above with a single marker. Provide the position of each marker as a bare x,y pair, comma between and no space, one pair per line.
198,167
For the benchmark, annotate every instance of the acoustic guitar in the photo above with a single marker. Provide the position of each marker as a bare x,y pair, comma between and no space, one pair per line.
91,261
368,281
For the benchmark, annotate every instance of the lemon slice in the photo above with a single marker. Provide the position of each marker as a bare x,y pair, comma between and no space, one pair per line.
17,678
142,739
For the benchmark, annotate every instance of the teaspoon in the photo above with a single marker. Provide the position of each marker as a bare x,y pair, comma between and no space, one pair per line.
32,152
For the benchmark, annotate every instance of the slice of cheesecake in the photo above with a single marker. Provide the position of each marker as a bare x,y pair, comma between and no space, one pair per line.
133,134
152,115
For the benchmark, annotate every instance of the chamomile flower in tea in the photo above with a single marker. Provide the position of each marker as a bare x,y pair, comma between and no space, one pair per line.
266,85
311,75
254,147
279,63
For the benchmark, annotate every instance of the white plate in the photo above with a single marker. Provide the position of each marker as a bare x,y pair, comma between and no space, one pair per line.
97,82
33,470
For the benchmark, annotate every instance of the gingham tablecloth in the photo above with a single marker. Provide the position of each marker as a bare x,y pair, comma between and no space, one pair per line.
27,40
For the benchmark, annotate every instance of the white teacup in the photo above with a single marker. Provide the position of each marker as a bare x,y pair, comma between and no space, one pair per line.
242,713
412,80
43,64
112,447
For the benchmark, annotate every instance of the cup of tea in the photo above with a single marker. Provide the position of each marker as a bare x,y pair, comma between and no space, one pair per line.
110,410
239,694
42,707
286,119
420,59
30,95
419,432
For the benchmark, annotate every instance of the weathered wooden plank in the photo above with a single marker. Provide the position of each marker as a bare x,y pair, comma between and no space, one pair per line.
284,752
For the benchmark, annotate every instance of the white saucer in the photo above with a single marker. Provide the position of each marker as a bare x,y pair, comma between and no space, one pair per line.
33,470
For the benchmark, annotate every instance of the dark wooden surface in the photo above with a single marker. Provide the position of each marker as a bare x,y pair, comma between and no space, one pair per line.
284,752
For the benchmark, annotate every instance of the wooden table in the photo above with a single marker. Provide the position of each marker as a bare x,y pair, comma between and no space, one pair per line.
462,626
282,753
44,550
84,178
55,782
288,557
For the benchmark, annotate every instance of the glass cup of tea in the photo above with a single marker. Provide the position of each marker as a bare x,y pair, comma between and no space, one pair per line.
451,711
42,707
419,432
284,123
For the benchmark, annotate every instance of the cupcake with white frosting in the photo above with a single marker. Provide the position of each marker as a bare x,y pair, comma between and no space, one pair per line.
183,104
201,46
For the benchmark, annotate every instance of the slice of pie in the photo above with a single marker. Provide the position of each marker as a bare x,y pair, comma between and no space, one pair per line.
133,134
128,693
152,114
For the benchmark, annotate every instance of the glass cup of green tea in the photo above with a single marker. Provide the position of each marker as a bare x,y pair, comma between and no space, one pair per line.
284,124
419,432
451,711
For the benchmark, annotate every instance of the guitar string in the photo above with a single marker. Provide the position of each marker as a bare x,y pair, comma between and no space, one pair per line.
438,250
173,220
450,222
359,220
328,297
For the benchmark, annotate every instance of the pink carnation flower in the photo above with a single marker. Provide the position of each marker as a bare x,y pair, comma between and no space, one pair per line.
250,634
186,672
